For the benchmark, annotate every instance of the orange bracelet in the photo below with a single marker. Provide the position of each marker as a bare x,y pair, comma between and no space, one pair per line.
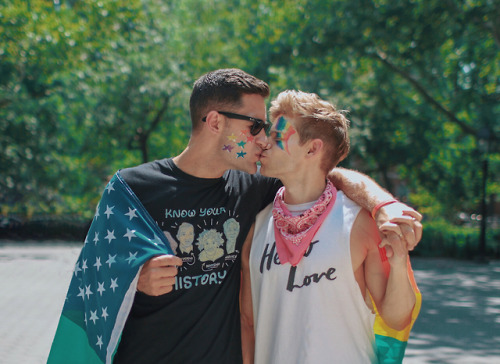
382,204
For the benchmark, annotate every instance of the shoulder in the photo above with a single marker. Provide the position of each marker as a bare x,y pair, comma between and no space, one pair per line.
347,207
146,179
144,173
145,168
365,231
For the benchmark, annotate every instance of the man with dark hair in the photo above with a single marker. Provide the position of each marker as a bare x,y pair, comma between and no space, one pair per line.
186,308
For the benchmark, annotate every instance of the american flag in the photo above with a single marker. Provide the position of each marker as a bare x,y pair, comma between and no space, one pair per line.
121,238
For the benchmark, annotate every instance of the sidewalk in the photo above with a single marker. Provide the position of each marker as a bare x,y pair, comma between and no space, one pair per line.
34,279
460,318
459,321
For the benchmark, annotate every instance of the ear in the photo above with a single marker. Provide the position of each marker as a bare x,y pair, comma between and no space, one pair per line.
314,148
214,122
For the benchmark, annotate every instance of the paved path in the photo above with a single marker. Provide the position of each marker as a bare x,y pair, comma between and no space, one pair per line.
459,322
460,318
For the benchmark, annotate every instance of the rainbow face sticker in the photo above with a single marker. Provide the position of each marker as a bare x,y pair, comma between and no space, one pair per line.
284,130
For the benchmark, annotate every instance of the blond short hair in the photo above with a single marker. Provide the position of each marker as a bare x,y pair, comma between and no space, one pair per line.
317,119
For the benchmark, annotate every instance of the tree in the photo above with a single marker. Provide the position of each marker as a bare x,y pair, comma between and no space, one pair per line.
420,78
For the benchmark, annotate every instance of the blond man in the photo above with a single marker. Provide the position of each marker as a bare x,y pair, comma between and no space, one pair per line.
313,266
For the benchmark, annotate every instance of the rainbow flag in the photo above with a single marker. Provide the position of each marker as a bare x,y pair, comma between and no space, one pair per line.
121,238
391,344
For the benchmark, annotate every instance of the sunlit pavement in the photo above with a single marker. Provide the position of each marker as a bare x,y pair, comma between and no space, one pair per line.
459,321
460,318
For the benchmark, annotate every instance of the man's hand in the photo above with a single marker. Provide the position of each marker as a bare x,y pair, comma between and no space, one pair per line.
157,276
396,249
402,220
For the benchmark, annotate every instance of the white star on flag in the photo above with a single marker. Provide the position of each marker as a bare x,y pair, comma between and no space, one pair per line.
104,313
110,236
130,234
99,341
131,257
77,268
101,288
97,263
131,213
109,211
82,293
88,292
93,316
96,237
111,259
109,187
113,284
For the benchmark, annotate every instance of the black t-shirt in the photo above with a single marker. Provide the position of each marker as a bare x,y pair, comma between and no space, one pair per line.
206,222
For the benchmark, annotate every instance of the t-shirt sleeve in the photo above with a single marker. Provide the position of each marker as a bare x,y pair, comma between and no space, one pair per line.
141,179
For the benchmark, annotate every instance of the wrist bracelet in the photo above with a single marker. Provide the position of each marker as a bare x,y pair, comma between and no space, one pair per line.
382,204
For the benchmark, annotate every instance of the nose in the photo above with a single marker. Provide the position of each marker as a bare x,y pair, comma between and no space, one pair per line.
262,140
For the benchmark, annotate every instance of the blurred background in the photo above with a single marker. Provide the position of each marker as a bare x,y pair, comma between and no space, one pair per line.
89,87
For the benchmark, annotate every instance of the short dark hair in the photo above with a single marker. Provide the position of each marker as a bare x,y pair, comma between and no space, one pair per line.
220,89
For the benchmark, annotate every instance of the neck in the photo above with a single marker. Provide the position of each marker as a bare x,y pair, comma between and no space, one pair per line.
198,161
304,188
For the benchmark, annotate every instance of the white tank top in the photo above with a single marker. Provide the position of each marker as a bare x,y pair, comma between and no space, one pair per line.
313,313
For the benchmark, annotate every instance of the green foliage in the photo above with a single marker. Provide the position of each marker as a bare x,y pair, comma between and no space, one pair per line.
419,77
87,88
81,90
442,239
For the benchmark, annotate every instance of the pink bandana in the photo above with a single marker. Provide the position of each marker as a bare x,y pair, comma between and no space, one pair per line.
294,234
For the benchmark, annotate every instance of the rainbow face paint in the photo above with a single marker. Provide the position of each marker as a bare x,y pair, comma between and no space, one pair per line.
237,143
284,130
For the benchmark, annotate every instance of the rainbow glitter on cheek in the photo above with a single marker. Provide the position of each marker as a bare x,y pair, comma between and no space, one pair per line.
286,130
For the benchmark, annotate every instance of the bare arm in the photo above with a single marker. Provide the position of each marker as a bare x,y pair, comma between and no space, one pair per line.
396,217
393,295
246,306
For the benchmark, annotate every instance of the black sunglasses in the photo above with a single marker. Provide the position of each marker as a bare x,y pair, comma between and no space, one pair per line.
257,126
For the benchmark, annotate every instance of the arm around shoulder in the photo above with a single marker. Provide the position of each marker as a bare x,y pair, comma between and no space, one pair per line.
394,216
359,187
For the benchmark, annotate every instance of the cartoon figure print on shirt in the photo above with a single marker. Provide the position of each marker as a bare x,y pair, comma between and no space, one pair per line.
207,246
184,242
185,235
231,230
209,243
